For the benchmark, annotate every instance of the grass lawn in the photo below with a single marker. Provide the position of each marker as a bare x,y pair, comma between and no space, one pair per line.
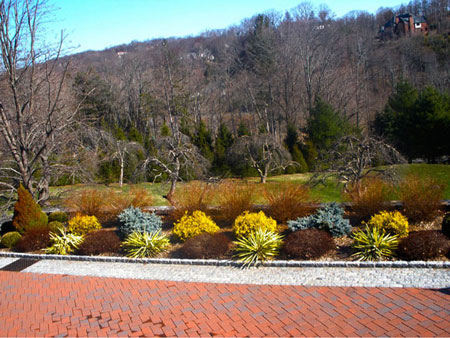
328,192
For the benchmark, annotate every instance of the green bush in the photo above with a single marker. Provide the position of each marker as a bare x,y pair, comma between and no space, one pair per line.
134,220
259,245
140,245
10,239
373,244
329,218
58,216
55,225
27,213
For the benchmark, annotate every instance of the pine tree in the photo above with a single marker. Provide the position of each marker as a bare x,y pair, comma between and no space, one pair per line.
224,141
203,141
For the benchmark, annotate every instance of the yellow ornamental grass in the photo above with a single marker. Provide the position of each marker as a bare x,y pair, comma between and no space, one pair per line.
193,225
81,225
247,223
391,222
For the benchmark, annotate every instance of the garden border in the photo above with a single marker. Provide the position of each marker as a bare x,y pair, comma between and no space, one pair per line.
215,262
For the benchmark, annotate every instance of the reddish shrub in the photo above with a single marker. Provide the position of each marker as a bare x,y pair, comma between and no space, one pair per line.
423,245
308,244
34,239
206,246
100,242
288,201
421,197
369,197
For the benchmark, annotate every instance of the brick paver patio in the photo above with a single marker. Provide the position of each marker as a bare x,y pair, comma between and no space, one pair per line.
49,305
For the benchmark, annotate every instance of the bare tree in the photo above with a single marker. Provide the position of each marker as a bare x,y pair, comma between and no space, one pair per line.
261,152
33,115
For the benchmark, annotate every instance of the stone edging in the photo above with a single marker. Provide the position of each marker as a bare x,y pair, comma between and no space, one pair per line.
215,262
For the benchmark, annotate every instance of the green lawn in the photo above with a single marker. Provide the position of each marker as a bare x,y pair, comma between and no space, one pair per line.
328,192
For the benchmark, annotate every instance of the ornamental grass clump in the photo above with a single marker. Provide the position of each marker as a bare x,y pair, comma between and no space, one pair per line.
193,225
81,225
141,245
259,246
247,223
373,244
234,197
134,220
63,243
391,222
329,218
191,197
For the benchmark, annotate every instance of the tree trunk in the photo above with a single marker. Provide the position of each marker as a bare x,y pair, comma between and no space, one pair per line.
121,173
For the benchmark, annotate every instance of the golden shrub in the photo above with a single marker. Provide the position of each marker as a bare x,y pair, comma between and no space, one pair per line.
193,225
249,222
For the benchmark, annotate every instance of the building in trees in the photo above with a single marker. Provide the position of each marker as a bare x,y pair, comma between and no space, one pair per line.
404,24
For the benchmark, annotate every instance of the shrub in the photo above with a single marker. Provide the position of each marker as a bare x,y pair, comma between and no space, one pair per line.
100,242
288,201
134,220
191,197
63,243
193,225
55,225
249,222
10,239
81,225
139,245
234,198
260,245
391,222
329,218
34,240
373,244
421,197
58,216
446,225
369,197
27,213
91,202
423,245
206,246
308,244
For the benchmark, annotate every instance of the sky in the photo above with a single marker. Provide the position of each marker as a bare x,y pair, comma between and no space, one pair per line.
99,24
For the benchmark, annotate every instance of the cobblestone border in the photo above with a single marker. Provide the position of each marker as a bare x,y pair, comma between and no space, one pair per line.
215,262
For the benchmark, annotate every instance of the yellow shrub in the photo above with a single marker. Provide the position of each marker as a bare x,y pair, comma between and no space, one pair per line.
249,222
391,222
81,225
193,225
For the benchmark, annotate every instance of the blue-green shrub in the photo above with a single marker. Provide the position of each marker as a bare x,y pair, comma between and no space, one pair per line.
328,218
134,220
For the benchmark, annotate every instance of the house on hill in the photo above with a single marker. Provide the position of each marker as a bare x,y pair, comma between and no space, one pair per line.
404,24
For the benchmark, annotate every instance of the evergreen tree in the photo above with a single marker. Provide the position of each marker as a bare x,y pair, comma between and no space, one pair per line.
165,131
203,141
224,141
243,129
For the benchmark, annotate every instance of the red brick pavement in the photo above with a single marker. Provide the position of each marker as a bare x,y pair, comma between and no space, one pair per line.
51,305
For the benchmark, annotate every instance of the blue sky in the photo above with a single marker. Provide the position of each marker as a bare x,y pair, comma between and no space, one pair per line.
98,24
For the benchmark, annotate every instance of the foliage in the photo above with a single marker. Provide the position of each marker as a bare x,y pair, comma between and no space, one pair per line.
34,240
390,222
27,213
329,218
373,244
203,141
234,197
423,245
91,202
10,239
145,244
308,244
446,225
81,225
421,197
288,201
369,196
195,195
260,245
247,223
206,246
134,220
63,243
192,225
224,141
135,197
54,225
100,242
58,216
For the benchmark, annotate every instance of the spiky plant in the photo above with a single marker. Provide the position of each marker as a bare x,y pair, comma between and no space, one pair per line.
146,244
374,243
259,245
63,243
